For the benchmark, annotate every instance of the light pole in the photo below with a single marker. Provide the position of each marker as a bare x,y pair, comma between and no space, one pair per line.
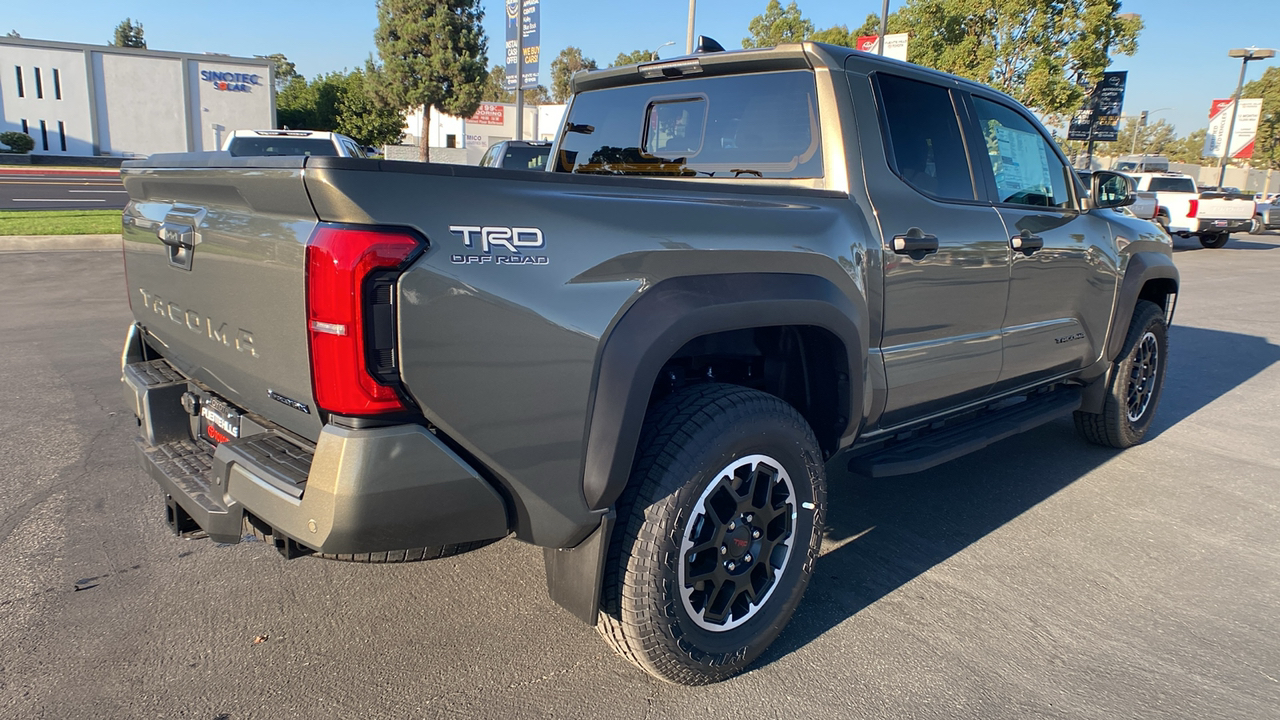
688,43
1245,55
1142,122
654,54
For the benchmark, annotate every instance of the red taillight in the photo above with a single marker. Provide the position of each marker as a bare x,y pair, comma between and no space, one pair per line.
1192,207
339,261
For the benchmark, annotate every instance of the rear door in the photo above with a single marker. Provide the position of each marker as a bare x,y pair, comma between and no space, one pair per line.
946,258
1063,276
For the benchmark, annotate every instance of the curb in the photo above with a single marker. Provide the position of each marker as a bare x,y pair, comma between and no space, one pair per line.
58,243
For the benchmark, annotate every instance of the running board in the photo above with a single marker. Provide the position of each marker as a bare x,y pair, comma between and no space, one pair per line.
927,449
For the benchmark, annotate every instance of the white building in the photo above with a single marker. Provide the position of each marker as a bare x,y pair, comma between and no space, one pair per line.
97,100
491,124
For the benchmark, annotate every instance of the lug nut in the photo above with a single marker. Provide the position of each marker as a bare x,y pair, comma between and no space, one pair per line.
755,534
747,559
749,517
731,565
723,550
733,526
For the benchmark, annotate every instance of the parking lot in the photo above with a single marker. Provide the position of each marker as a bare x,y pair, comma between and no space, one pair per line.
1039,578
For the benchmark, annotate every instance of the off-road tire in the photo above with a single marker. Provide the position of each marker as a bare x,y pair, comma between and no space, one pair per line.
1257,227
1117,425
1162,219
1215,240
690,446
262,532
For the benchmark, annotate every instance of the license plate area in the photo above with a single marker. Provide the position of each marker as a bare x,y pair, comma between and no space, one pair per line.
219,421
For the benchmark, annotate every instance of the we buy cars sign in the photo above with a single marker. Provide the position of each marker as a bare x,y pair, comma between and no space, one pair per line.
1242,137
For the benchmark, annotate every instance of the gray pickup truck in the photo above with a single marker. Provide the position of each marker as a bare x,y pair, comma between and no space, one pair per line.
737,265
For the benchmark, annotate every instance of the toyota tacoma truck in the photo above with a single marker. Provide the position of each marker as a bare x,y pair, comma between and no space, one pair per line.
737,266
1185,210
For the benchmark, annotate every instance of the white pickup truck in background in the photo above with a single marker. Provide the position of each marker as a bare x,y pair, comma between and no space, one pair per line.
1185,211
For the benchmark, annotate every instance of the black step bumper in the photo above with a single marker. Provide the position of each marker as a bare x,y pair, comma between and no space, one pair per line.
356,491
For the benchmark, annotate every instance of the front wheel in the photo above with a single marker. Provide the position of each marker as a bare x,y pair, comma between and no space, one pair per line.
1214,241
1136,382
718,531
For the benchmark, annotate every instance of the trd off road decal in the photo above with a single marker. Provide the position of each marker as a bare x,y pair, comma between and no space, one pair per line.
512,245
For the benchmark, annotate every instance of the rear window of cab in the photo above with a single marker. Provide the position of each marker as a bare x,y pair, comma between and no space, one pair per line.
762,125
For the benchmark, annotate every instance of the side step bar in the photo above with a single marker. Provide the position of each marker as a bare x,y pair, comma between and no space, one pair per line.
927,449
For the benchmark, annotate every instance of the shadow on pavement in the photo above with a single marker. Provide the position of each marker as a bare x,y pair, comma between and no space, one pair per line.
884,532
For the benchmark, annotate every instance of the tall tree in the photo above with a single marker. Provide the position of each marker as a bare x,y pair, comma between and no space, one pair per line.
836,35
1266,146
568,62
778,25
632,58
285,70
1152,139
129,34
537,95
361,118
433,54
1045,53
1189,149
495,87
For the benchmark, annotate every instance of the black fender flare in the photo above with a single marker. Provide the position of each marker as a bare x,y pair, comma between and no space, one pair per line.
1142,268
672,313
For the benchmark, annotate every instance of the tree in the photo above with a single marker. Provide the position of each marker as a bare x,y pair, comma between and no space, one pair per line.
285,70
836,35
495,87
361,118
1152,139
294,103
568,62
16,142
537,96
632,58
1266,146
433,55
1189,149
129,34
1045,53
778,25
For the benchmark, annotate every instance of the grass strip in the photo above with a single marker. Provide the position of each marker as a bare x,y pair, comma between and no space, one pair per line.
59,222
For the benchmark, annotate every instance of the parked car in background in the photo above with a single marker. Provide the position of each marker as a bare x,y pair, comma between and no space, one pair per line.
1185,210
1267,215
1141,163
259,143
518,155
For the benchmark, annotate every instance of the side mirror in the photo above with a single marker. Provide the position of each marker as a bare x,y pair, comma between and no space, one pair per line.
1111,190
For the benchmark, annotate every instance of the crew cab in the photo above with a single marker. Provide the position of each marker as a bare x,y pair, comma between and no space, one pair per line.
1185,210
738,269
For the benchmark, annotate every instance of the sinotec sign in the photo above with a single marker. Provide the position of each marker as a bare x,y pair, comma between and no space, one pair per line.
231,81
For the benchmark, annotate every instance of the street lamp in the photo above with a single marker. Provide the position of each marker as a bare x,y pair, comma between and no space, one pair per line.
1245,55
654,54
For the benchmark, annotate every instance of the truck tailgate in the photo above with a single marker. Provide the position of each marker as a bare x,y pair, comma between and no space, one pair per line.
215,265
1224,208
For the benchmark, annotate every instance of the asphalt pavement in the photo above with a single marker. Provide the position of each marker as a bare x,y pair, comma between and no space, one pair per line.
34,188
1039,578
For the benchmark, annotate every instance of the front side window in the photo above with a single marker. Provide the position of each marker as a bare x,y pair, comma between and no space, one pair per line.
925,145
760,125
1027,171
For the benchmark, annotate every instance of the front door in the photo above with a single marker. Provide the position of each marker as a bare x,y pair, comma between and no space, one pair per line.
1063,277
945,254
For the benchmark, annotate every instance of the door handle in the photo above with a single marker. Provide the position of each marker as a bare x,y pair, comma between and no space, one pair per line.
1026,242
915,244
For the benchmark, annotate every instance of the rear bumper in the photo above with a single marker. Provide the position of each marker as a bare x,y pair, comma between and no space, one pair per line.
1204,227
356,491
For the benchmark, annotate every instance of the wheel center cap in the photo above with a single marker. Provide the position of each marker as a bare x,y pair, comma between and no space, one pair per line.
738,541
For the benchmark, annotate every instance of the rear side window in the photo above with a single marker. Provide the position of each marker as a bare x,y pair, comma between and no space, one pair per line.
926,147
1159,184
282,145
519,157
762,125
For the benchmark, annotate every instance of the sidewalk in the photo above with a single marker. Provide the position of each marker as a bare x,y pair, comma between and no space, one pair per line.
58,243
57,170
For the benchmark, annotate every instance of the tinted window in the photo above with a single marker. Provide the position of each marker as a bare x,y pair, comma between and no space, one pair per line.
282,145
1159,184
525,158
925,145
1026,169
763,125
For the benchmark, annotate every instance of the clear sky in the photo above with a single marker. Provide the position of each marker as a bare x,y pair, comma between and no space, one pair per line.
1181,63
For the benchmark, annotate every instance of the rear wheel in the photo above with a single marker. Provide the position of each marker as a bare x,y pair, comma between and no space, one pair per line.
1215,240
1162,219
1136,382
1257,226
718,532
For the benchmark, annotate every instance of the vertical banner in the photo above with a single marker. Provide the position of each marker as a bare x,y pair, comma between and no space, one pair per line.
523,18
895,45
1100,121
1246,129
